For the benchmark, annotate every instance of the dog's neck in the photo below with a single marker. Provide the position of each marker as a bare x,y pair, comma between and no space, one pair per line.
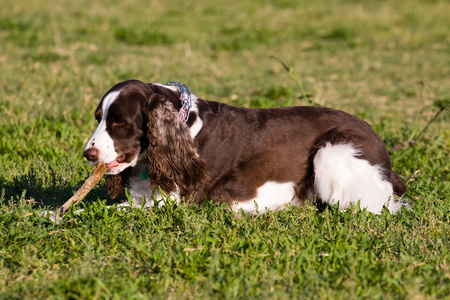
140,168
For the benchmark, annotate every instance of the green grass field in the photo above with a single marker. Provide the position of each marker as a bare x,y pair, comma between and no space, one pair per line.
388,62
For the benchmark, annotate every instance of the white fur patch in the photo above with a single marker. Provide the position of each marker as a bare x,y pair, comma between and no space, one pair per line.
139,188
342,177
270,196
198,124
101,139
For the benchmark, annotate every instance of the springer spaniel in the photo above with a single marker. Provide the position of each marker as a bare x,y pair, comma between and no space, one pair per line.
157,137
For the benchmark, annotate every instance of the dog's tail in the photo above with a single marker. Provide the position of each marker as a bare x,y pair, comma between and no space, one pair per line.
399,187
398,184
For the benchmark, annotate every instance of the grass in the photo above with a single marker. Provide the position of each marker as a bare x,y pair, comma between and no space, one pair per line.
384,61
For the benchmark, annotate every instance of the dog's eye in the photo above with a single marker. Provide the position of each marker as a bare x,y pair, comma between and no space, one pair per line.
118,123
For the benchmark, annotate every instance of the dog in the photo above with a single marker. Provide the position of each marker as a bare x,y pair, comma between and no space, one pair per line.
162,140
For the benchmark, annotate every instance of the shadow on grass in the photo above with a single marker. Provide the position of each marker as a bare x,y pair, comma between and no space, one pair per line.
53,194
57,191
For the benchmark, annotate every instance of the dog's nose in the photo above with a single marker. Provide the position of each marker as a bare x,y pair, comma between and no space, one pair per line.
91,154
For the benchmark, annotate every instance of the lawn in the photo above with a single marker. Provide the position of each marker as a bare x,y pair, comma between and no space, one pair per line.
388,62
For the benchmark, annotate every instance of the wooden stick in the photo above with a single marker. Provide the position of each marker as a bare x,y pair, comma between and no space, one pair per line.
87,186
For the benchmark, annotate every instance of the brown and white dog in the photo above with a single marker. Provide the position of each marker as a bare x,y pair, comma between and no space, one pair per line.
252,159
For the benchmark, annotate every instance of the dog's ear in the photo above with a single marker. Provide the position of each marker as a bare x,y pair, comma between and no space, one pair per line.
115,184
172,162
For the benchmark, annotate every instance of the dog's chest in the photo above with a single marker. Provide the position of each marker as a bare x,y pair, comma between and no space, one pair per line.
139,186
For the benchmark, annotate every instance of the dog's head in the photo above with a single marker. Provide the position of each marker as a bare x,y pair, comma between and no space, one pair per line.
138,121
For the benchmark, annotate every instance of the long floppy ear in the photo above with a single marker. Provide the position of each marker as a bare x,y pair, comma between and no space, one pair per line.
116,184
172,161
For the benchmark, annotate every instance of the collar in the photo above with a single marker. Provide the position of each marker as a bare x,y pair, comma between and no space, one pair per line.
144,174
185,99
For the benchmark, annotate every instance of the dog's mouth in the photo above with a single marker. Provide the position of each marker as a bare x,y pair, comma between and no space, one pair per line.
116,163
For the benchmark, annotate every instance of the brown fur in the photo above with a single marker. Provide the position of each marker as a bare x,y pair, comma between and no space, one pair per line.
115,184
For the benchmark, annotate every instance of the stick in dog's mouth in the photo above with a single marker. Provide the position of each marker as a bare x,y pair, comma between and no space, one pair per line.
87,186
